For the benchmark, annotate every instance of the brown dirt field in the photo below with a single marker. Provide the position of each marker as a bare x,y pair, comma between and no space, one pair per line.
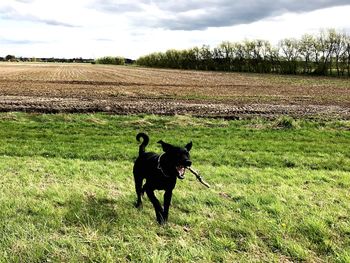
55,88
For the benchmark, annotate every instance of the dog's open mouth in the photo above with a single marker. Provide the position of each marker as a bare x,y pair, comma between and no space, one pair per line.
181,171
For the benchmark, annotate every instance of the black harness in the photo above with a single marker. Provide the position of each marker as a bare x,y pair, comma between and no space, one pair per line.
159,167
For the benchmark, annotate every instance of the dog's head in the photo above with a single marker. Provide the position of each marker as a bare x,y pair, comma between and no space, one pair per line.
176,159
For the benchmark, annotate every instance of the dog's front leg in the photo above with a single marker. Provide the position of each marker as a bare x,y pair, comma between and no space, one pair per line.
157,206
167,200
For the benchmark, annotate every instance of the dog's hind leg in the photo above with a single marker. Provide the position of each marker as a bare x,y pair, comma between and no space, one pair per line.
157,206
139,190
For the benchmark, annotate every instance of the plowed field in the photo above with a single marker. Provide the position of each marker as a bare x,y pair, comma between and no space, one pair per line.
130,90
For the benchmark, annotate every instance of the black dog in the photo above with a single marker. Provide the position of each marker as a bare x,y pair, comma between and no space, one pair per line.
160,172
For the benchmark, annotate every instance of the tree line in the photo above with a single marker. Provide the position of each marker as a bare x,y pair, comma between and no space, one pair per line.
13,58
110,60
325,53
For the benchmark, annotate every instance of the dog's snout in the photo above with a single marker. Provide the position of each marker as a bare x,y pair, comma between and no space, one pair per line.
188,163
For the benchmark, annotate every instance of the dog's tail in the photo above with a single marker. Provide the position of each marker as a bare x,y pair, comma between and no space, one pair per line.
145,140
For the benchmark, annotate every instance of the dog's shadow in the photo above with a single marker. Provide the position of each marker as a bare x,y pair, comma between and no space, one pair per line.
92,211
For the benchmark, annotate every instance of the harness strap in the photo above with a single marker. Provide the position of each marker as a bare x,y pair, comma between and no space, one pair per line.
159,167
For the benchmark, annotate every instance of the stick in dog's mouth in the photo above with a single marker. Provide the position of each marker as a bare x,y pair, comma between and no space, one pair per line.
200,179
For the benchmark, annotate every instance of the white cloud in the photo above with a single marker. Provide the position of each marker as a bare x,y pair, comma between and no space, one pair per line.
67,28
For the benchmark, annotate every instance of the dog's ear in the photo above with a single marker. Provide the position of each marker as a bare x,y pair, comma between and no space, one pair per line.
188,146
166,146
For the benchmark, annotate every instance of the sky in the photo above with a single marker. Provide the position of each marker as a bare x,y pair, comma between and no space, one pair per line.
130,28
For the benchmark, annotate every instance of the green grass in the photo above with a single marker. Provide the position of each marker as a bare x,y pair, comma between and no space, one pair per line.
280,190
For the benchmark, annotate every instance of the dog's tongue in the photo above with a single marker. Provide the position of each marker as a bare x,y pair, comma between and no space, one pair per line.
181,170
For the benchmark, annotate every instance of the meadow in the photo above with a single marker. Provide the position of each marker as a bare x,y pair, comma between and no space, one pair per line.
279,190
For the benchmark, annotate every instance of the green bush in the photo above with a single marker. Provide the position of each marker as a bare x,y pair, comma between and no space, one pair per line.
110,60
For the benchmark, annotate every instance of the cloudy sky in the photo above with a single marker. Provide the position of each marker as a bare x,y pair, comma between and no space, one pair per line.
130,28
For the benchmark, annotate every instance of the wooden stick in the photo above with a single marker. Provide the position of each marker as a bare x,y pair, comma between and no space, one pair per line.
199,178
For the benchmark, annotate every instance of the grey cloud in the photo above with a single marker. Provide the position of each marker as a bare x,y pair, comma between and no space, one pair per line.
6,41
229,13
211,13
25,1
9,13
104,39
115,6
53,22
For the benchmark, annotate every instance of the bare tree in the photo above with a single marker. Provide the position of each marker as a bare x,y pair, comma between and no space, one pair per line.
326,42
346,54
238,49
261,54
228,54
306,45
289,48
339,49
248,49
206,58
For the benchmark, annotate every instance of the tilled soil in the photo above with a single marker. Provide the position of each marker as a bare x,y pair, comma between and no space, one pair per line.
53,88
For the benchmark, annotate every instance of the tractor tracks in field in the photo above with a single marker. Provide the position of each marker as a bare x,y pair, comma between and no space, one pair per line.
53,88
113,83
168,107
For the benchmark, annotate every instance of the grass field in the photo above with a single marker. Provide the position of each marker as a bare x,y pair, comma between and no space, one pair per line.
280,190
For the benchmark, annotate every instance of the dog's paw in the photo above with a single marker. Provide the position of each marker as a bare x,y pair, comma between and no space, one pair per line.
138,205
162,221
